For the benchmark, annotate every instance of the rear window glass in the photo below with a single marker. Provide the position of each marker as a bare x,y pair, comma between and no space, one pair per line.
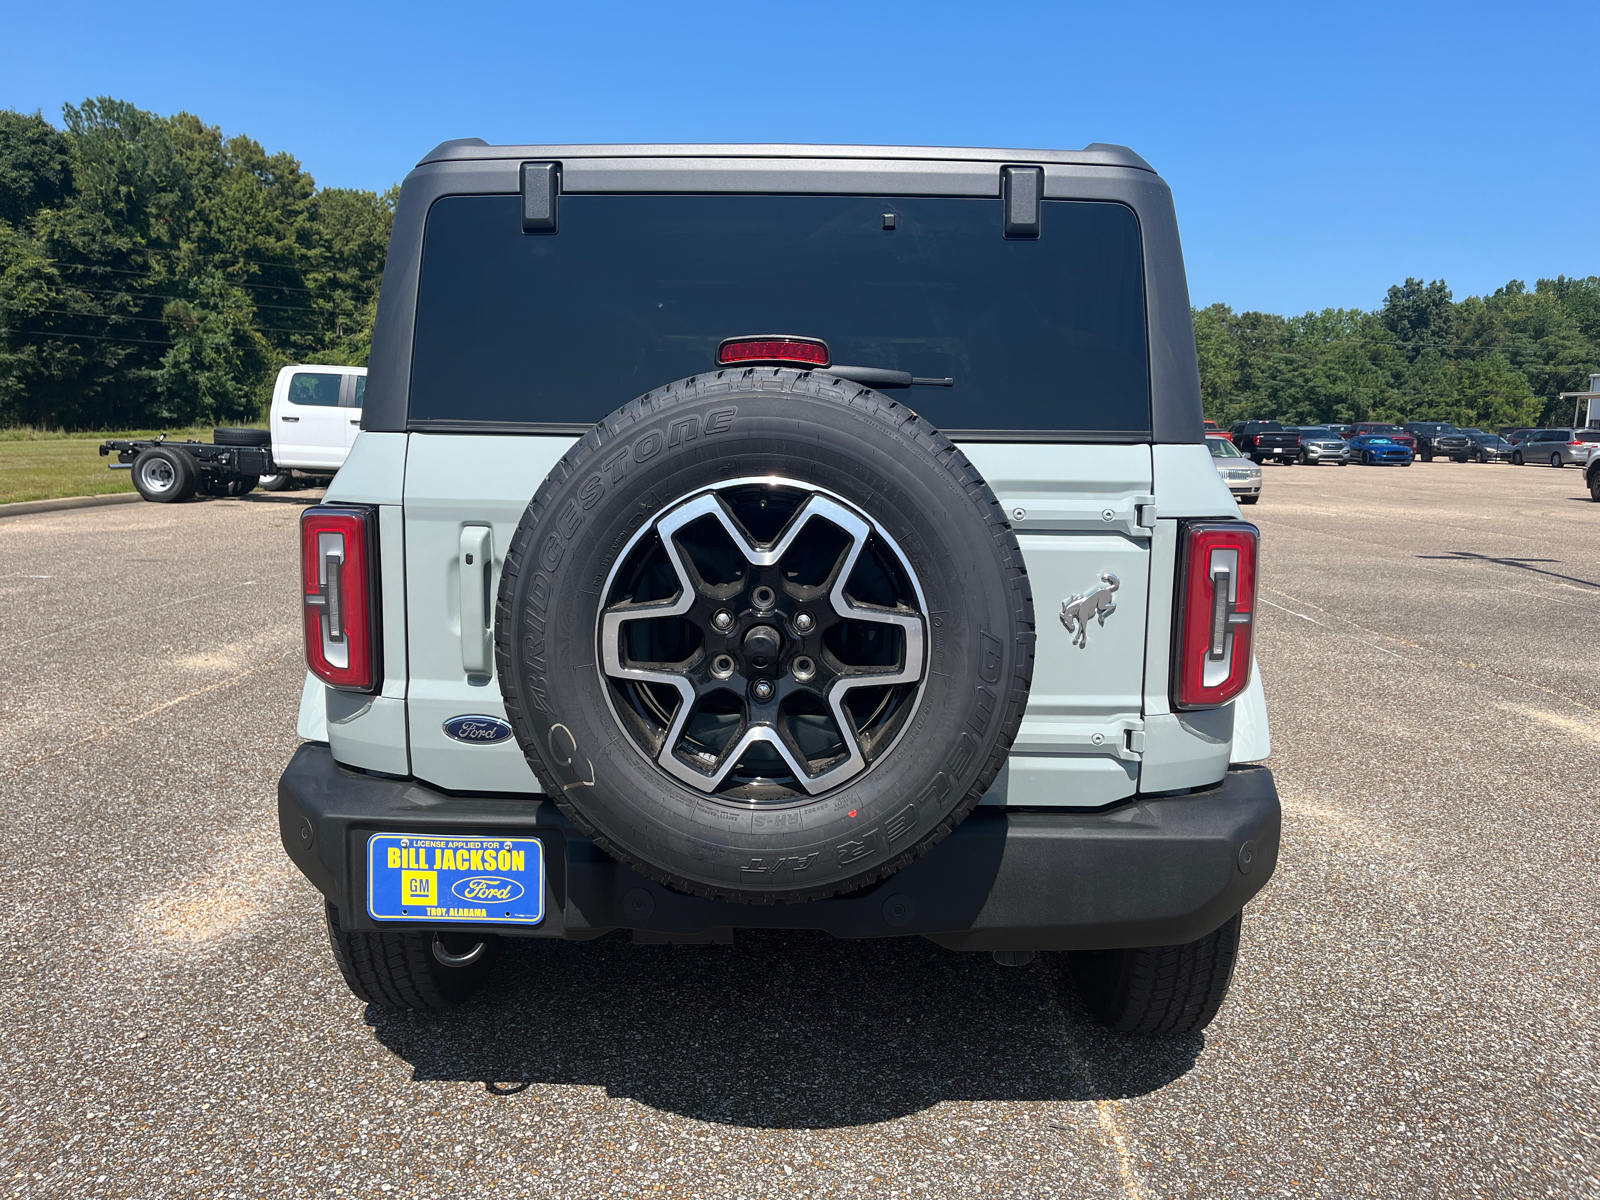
316,390
361,390
636,291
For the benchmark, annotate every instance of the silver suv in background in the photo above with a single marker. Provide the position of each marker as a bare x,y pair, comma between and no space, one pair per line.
1557,447
1242,476
1319,444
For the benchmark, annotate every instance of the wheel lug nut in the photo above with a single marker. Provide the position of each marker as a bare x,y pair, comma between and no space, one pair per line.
803,622
722,620
722,666
763,597
762,690
803,668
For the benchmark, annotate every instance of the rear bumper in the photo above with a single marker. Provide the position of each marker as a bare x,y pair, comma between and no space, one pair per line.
1149,873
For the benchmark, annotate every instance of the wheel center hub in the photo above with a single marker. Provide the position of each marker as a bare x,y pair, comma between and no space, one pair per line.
761,646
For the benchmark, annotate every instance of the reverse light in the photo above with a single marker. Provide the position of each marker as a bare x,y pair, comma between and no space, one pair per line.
1216,605
809,352
339,595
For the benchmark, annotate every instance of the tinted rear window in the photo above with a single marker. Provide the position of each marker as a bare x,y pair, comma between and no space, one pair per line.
636,291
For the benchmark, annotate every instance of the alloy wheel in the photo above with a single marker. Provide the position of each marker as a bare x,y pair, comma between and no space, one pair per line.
762,640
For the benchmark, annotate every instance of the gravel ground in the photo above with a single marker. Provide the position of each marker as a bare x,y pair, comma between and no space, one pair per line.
1414,1013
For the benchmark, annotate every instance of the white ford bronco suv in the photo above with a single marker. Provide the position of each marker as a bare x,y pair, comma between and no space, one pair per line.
783,537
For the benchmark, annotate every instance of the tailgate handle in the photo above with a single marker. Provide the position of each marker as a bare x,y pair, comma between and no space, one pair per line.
477,569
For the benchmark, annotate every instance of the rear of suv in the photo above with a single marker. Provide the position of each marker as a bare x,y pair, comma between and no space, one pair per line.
751,537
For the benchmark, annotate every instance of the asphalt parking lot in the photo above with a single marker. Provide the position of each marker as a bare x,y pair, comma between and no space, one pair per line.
1415,1011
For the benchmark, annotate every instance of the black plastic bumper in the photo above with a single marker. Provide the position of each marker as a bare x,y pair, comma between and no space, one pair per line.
1149,873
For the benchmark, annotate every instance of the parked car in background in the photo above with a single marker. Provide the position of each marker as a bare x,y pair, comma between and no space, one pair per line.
1439,439
316,414
1516,434
1375,449
1488,447
1261,440
1242,476
1342,430
1556,447
1215,430
1383,429
1320,444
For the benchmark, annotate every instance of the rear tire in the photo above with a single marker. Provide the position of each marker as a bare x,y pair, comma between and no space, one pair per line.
280,482
399,970
1555,461
1594,486
164,475
1516,459
1159,990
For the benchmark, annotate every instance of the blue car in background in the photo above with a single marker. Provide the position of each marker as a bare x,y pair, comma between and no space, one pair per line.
1375,448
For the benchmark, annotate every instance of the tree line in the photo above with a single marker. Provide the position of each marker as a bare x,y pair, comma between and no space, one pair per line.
155,271
1485,361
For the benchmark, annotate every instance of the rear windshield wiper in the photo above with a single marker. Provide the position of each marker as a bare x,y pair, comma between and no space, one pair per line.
879,377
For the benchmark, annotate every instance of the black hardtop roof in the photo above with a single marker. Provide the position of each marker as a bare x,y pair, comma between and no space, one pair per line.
1096,154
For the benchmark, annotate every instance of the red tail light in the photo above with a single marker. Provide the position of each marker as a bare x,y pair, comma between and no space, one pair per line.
1216,607
339,593
807,351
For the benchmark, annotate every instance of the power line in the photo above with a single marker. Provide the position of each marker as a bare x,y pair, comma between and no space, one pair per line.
63,312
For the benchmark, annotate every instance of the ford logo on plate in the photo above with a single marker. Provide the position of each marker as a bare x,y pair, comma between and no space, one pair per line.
477,730
487,887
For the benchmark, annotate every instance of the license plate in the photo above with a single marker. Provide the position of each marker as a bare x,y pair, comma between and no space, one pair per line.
458,880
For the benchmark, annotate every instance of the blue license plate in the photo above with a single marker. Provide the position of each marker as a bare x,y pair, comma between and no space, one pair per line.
455,880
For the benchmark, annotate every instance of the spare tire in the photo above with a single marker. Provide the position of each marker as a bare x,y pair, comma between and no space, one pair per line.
764,635
224,435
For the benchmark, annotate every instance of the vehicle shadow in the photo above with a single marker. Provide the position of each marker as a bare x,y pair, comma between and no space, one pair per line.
782,1029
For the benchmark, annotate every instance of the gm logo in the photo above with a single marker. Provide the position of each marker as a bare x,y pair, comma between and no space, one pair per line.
477,730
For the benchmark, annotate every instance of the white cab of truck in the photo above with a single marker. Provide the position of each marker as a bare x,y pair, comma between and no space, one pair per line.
316,415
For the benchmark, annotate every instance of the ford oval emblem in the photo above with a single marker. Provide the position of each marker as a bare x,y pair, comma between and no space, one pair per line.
487,887
477,730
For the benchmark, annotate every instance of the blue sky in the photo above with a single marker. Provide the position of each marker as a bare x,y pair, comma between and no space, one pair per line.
1317,153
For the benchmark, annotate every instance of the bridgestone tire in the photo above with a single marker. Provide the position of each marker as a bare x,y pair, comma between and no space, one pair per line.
224,435
1159,990
277,483
164,475
398,970
869,452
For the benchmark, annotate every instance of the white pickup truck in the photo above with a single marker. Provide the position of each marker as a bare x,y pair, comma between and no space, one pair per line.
315,416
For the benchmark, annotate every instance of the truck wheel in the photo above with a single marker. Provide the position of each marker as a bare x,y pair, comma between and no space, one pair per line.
224,435
765,635
411,968
1159,989
1594,485
281,482
163,475
241,485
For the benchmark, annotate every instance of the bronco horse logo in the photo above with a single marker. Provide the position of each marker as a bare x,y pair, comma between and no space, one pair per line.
1077,612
